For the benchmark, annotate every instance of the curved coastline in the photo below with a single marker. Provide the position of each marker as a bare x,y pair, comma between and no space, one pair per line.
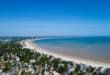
29,44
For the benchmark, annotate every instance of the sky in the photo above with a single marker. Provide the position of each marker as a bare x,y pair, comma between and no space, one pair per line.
54,17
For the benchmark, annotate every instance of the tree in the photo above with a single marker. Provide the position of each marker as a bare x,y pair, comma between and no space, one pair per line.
94,73
7,67
77,69
71,73
23,72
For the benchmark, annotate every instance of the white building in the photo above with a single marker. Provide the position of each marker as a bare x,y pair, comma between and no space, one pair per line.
32,61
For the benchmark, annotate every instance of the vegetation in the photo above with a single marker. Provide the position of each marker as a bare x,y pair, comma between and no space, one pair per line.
11,50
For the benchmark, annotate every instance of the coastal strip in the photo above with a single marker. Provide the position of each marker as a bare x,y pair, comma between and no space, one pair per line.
29,44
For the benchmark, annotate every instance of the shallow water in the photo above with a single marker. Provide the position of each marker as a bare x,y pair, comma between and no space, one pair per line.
92,48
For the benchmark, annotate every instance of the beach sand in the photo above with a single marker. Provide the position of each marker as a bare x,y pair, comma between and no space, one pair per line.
36,48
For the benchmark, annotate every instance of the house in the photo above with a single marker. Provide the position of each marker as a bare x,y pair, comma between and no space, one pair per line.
7,73
1,67
85,73
1,70
59,65
37,69
32,61
107,71
55,73
70,68
46,73
98,70
103,70
83,67
17,59
46,67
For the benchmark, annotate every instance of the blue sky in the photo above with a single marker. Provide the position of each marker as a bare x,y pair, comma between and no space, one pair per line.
54,17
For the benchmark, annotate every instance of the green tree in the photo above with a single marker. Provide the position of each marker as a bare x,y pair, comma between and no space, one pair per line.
23,72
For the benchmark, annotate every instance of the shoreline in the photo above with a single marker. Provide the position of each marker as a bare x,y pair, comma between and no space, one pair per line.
36,48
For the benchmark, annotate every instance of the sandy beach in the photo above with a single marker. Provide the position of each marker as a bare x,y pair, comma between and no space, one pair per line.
36,48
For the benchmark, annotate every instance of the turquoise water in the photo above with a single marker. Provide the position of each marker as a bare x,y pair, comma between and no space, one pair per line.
93,48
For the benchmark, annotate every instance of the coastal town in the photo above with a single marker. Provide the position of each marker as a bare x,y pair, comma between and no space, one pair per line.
54,37
17,60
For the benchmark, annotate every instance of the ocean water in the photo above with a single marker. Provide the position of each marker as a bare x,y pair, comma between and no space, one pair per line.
92,48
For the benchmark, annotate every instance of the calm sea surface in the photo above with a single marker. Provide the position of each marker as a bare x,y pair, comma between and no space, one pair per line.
92,48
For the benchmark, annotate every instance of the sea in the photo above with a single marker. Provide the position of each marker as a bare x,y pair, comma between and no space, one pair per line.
91,48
